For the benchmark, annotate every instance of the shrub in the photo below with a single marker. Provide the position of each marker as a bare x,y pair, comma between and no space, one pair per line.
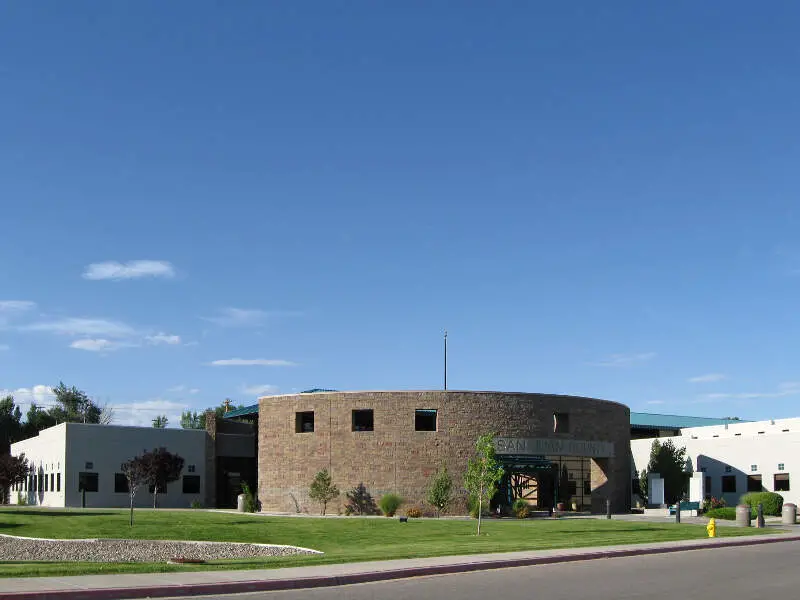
250,504
413,512
390,503
711,503
773,503
322,490
440,494
22,499
520,508
727,513
196,504
360,502
472,506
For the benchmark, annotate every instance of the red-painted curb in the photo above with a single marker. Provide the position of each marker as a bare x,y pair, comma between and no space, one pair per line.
240,587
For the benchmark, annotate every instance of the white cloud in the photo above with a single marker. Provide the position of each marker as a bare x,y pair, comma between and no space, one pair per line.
7,306
183,389
655,402
143,413
4,347
130,270
40,394
708,378
250,362
624,360
246,317
83,327
163,338
96,345
260,390
788,388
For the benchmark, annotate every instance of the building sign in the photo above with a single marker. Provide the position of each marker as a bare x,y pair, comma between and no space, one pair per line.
553,447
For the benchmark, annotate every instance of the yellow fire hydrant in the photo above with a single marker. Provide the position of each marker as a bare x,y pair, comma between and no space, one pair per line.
712,528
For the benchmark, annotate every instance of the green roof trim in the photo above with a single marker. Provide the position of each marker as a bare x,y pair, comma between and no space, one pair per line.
655,421
241,412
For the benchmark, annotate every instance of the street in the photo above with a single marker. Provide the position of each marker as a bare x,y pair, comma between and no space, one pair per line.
732,573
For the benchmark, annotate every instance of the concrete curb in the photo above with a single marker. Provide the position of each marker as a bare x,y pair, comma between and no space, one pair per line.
240,587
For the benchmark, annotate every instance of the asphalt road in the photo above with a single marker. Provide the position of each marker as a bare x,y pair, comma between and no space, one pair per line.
768,571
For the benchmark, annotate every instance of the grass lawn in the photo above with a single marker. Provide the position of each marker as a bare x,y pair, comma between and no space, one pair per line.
342,540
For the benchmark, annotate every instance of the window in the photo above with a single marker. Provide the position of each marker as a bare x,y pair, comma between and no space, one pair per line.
52,482
754,483
40,485
424,420
560,422
363,420
191,484
587,488
304,422
780,466
781,482
89,466
739,434
708,485
729,484
87,481
46,487
58,482
753,468
715,435
727,468
121,484
572,488
190,469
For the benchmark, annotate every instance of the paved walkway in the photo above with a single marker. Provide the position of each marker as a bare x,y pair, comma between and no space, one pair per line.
228,582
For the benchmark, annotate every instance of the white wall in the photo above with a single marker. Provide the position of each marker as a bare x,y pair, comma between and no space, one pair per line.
46,456
101,449
721,450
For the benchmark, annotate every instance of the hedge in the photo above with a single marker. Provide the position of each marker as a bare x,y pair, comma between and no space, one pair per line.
773,503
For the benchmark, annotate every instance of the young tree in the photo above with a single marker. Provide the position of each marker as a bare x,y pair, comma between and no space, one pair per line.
161,467
135,471
440,494
670,463
360,501
161,422
483,473
13,470
322,489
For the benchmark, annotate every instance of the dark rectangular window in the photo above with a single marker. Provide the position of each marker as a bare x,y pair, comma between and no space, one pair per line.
729,484
87,481
424,420
304,422
781,482
587,488
52,482
89,466
560,422
754,483
190,468
708,484
572,488
363,420
191,484
120,484
40,484
46,487
58,482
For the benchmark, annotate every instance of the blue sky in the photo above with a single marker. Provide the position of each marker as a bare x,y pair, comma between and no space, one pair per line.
593,198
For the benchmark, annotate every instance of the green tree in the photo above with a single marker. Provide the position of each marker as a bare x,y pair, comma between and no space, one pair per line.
74,406
440,493
483,473
11,428
670,463
322,489
192,420
37,419
161,422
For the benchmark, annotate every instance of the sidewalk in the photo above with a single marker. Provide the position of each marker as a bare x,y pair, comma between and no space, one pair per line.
154,585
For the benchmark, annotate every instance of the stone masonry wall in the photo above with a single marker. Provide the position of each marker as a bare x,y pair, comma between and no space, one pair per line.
396,458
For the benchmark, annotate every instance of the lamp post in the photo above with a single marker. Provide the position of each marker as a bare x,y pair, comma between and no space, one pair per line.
445,360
